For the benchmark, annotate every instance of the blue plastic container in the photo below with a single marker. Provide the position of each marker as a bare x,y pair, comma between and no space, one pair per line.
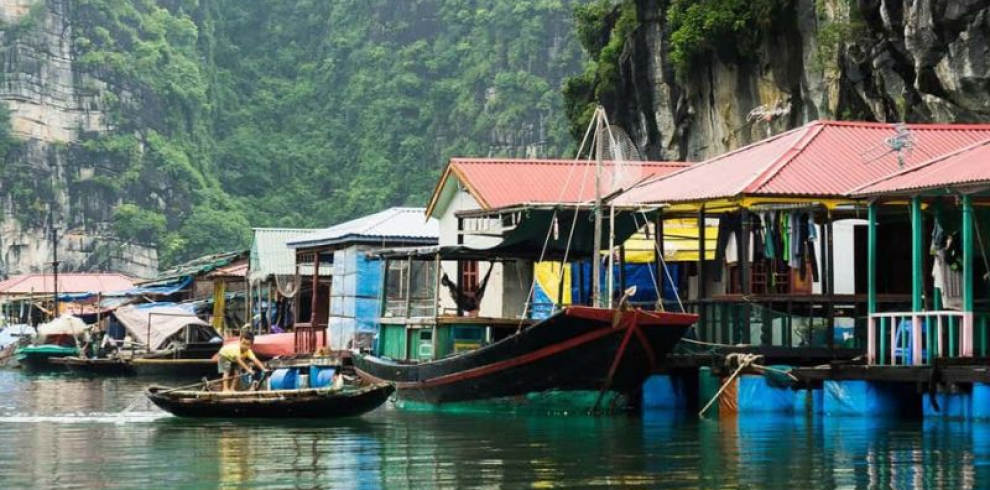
321,376
284,379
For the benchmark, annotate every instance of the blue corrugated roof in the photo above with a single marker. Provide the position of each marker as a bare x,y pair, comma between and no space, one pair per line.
393,225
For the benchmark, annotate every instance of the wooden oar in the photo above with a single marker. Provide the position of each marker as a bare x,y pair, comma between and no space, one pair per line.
201,383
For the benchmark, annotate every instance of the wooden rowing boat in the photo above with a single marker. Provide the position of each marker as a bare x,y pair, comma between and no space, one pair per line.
299,403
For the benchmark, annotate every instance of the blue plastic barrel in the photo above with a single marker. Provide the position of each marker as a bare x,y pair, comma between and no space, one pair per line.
321,376
284,379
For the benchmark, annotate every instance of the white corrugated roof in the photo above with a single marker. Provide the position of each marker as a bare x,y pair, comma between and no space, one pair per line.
270,255
407,225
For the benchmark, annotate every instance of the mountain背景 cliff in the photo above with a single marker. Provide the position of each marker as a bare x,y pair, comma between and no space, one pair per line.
691,79
152,131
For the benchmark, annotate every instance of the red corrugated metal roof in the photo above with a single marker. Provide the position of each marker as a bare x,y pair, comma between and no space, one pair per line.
962,168
820,159
497,183
67,283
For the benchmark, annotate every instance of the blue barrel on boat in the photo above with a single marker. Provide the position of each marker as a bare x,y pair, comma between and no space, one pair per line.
284,379
321,376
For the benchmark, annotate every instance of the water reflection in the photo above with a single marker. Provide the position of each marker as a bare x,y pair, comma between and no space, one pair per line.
66,433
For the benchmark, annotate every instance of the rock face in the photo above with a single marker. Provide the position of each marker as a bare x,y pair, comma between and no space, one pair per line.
880,60
51,105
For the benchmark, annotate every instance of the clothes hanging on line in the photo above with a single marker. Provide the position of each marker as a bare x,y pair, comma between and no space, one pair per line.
789,236
947,266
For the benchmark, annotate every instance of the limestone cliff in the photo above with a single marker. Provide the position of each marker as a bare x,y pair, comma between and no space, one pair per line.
879,60
51,106
166,129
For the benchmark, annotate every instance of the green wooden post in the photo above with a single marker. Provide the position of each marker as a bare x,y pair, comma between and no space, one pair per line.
917,268
968,256
917,257
871,273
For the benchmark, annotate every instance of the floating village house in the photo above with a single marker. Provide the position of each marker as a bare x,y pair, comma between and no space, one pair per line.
219,279
341,283
788,278
945,203
29,298
473,190
927,356
272,280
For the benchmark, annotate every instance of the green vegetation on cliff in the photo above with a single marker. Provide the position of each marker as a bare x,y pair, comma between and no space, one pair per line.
229,113
697,28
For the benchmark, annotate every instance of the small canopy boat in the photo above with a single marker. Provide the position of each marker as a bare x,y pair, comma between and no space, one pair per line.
57,338
349,401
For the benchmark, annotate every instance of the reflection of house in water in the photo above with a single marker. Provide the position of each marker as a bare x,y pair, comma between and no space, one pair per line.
341,282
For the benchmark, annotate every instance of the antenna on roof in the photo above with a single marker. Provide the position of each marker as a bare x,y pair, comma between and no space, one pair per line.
902,143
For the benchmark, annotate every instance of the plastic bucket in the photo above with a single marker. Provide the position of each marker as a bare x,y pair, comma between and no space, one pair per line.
284,379
321,376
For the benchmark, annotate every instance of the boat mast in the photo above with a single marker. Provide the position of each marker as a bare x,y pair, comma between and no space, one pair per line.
596,292
54,239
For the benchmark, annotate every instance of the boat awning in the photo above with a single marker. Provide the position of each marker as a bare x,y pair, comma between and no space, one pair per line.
546,232
526,231
154,324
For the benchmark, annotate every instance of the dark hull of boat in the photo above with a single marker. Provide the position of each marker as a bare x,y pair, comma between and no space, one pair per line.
96,367
309,403
576,350
39,362
175,368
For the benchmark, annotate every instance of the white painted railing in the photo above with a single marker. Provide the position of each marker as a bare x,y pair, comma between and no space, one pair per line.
901,338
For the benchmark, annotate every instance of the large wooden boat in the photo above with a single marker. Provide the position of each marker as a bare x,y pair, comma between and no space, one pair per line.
579,350
297,403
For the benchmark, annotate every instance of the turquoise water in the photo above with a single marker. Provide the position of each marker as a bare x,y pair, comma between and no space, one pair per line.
64,432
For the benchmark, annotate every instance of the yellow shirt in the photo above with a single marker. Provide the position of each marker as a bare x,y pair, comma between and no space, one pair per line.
232,352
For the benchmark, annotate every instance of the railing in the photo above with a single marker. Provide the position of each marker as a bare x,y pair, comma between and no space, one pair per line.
918,338
791,321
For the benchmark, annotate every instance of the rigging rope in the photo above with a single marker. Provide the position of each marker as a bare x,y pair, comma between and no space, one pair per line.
560,196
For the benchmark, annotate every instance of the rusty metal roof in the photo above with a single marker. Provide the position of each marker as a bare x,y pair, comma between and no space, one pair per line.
962,169
68,282
391,226
501,182
819,159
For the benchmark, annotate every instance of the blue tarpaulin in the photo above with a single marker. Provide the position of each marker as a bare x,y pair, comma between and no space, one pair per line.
855,397
761,394
158,290
639,275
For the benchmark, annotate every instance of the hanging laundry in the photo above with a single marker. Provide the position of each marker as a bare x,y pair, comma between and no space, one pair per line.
947,267
769,236
756,246
795,228
729,226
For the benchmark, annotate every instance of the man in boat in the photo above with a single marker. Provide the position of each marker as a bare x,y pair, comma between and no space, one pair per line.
233,355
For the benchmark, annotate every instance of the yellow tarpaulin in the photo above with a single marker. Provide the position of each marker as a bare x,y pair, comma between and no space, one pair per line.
680,243
548,277
219,304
